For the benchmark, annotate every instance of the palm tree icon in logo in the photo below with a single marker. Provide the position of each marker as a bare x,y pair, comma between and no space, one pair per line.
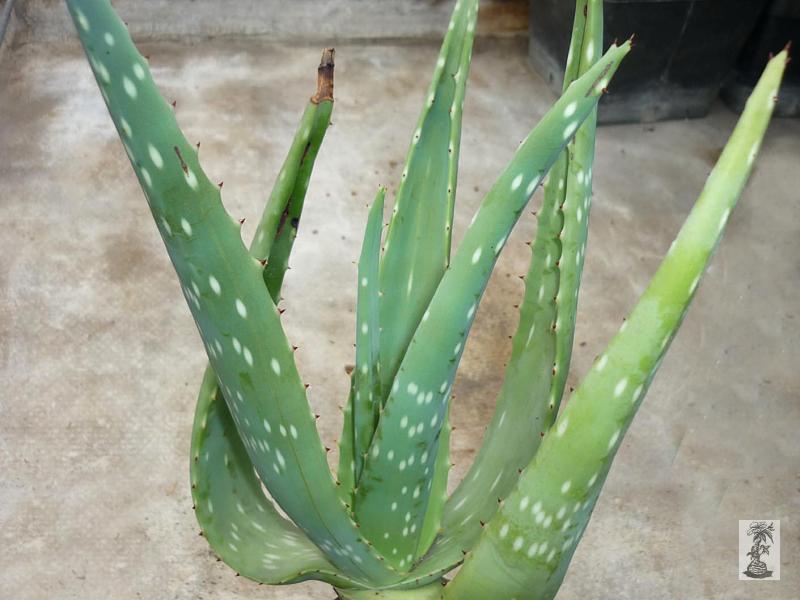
760,532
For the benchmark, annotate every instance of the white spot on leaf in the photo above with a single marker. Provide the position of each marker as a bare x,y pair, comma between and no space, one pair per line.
212,281
241,308
130,87
82,20
155,156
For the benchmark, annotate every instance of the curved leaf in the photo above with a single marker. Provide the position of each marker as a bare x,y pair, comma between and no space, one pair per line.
224,287
237,519
417,249
536,372
366,377
527,546
406,441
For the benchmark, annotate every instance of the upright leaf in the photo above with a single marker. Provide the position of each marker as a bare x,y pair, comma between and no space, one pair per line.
281,217
417,249
224,288
246,531
536,372
366,378
534,534
279,221
397,471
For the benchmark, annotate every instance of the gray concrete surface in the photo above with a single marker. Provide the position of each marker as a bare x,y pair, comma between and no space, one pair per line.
285,20
100,360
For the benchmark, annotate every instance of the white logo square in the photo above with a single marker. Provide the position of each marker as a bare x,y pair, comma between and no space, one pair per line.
759,549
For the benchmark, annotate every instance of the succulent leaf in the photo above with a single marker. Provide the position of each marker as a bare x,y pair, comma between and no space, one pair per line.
238,520
397,470
417,249
223,471
420,184
224,287
432,525
346,472
311,135
366,377
527,546
573,191
541,347
276,211
279,221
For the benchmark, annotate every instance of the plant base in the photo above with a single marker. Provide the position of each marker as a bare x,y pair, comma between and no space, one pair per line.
428,592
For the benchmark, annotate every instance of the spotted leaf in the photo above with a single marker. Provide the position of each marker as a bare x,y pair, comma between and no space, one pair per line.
417,249
366,378
224,288
541,347
236,517
535,533
408,431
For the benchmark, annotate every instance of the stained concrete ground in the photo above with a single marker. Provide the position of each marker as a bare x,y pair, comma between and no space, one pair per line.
100,361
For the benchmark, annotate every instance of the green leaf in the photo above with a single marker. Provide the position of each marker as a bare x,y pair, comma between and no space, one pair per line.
224,287
535,533
280,220
238,520
346,473
536,372
431,526
366,378
311,136
397,472
573,192
417,249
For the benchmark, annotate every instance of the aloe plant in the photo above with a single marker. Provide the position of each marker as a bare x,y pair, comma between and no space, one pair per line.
384,526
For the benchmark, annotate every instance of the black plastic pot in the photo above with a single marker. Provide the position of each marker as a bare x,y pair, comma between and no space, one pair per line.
780,24
684,49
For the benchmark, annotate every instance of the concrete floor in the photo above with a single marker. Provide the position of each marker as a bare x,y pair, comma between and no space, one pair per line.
100,360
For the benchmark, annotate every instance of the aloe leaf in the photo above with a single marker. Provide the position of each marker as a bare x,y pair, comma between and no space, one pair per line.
406,440
417,249
527,546
224,287
536,371
294,178
346,473
214,438
574,193
239,522
369,350
366,378
431,526
417,233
